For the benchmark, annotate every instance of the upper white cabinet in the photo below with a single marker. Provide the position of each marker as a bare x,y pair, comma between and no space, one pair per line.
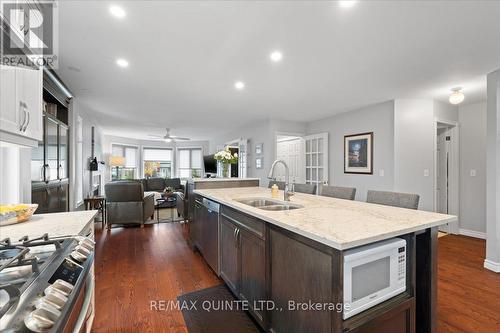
21,110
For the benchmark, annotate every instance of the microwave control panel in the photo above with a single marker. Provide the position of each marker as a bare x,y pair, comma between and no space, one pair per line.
402,263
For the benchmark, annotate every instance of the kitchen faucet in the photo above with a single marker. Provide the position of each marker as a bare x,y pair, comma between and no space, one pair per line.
287,192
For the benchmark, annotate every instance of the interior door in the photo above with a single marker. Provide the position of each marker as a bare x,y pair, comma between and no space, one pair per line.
317,159
292,152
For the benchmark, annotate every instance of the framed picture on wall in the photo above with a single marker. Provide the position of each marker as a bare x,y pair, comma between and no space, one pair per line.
358,153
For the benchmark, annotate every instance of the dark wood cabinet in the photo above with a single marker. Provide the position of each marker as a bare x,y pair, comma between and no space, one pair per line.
253,272
51,197
243,259
195,226
302,272
229,265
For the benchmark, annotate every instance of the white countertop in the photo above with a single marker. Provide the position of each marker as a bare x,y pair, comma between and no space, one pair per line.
55,224
341,224
199,180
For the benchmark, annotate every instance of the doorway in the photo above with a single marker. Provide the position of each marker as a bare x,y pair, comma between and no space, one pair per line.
446,188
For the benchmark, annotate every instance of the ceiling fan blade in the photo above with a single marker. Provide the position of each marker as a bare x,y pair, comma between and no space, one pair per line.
179,138
155,136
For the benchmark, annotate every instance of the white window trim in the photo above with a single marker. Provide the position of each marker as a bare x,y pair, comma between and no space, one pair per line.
177,171
139,157
174,158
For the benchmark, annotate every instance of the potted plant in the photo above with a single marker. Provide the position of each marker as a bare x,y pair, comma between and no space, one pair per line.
225,157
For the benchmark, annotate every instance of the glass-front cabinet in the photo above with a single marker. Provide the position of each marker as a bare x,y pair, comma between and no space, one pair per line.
50,167
49,161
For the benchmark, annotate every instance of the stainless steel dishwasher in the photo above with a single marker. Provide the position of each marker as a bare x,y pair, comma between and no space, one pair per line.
210,234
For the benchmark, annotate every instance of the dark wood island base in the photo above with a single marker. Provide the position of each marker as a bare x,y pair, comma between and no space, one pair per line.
260,261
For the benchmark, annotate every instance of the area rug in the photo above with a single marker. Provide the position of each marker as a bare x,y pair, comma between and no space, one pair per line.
203,313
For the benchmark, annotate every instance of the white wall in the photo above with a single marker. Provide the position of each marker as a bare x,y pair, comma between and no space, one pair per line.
493,173
80,109
472,119
414,149
378,119
264,132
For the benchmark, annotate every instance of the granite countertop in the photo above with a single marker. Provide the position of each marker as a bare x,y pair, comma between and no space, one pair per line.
341,224
55,224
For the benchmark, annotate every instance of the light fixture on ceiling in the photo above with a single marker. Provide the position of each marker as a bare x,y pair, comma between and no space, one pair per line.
239,85
457,96
117,11
347,3
122,62
276,56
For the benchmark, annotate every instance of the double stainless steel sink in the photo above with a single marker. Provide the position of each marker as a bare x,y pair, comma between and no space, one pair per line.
268,204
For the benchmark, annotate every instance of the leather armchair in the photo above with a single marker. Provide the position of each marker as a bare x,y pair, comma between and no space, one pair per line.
182,205
127,204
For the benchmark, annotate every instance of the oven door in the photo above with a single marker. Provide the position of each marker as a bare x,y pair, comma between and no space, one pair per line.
82,314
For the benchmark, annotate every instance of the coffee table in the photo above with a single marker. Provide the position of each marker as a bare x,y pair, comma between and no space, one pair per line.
159,202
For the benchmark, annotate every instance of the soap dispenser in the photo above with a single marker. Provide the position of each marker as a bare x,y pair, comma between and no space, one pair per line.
274,191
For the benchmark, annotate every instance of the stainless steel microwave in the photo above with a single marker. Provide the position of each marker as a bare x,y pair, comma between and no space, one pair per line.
372,274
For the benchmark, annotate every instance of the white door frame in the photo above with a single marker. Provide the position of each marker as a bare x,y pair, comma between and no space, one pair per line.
454,178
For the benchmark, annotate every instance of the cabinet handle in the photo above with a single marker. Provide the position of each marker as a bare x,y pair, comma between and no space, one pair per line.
29,118
21,126
238,238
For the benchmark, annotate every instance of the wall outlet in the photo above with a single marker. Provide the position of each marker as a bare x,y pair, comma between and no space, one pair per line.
473,172
426,172
381,172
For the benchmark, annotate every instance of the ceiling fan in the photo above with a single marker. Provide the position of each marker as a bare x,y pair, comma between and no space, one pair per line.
169,138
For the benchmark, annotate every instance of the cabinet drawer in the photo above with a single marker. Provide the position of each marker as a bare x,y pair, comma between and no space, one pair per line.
249,223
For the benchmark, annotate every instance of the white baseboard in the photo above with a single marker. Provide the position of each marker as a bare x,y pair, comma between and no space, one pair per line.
492,266
472,233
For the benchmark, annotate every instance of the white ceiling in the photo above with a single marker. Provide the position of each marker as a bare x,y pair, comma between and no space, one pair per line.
186,55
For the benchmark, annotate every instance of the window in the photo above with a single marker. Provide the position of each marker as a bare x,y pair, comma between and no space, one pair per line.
157,162
128,166
190,160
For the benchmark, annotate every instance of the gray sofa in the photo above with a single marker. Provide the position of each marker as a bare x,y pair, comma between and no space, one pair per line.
158,185
127,204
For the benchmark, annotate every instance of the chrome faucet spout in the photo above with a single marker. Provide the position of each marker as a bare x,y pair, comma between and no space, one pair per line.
287,192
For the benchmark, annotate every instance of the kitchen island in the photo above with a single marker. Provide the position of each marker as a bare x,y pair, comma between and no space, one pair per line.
298,255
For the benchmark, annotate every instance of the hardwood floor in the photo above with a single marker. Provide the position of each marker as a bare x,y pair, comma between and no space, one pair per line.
135,266
468,294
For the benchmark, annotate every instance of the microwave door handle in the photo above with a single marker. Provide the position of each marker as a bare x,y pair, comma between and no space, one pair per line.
85,306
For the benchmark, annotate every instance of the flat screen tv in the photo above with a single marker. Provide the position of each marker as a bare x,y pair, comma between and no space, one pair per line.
210,164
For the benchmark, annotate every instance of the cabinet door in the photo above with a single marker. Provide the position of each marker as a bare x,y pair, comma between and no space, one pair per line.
195,227
54,202
51,158
253,271
63,198
10,120
229,254
29,92
63,152
40,197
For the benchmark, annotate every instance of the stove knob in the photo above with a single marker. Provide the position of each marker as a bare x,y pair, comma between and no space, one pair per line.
42,319
87,244
78,256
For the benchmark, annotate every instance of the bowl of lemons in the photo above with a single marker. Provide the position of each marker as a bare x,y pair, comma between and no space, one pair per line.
11,214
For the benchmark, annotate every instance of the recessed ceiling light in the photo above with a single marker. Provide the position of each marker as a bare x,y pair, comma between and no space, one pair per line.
347,3
122,63
276,56
457,96
239,85
117,11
